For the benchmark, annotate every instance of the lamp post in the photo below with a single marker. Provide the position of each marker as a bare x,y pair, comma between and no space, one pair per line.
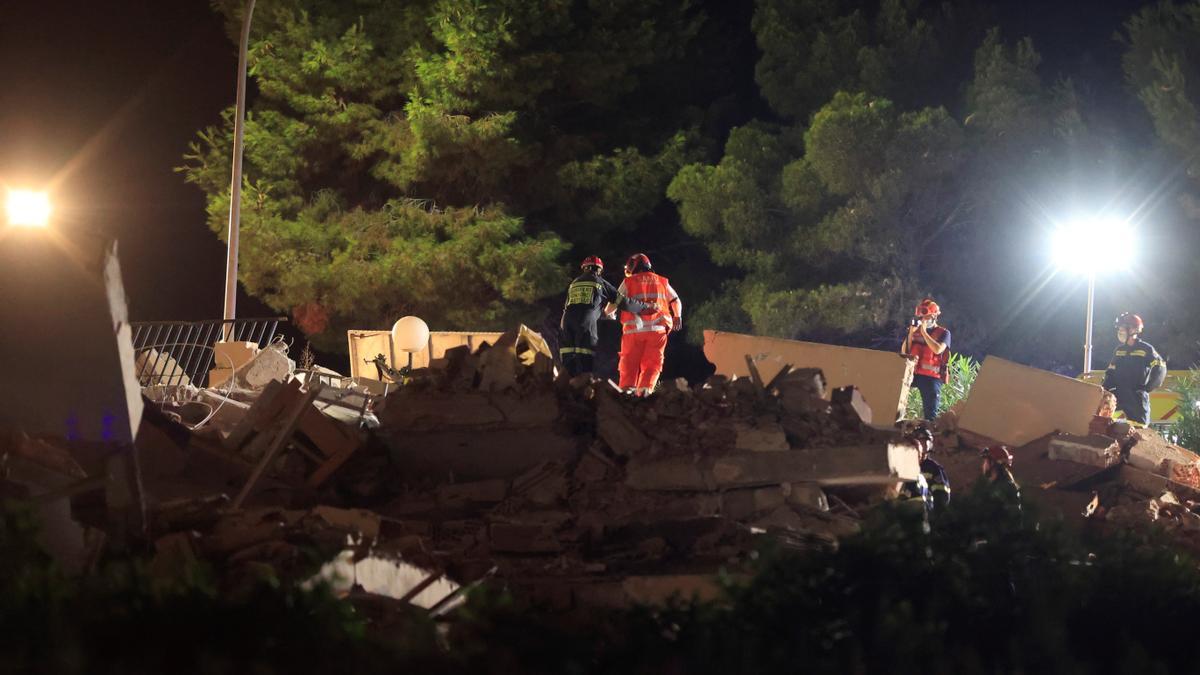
1083,247
235,188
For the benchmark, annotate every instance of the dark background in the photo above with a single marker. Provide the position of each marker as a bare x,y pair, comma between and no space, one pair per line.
100,99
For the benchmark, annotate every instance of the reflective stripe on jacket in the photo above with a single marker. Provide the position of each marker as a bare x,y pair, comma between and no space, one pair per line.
654,290
928,362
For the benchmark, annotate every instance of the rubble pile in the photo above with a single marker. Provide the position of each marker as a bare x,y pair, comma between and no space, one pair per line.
1117,475
485,466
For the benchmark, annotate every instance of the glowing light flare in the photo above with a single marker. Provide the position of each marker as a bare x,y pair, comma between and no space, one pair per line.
1094,246
27,208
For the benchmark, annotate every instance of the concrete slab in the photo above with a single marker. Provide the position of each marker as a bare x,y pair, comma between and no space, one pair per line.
473,455
882,377
69,364
855,465
1016,404
1095,450
1151,452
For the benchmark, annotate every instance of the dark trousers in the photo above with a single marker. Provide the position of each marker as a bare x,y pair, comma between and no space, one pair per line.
931,394
578,348
1134,403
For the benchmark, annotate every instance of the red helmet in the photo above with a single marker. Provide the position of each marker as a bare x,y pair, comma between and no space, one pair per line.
592,261
998,454
927,307
638,262
1131,321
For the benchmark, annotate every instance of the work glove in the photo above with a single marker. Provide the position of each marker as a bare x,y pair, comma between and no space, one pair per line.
676,324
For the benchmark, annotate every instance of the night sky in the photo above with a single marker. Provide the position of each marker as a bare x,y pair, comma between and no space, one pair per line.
102,97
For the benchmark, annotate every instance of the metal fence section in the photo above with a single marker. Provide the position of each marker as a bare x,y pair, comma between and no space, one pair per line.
174,353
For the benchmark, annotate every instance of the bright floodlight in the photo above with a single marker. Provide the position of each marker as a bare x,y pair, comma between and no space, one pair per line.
1091,246
27,208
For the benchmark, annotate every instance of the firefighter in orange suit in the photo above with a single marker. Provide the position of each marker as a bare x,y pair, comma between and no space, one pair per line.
644,340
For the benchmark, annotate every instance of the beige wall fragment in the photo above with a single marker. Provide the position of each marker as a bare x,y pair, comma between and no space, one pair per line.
882,377
1016,404
366,344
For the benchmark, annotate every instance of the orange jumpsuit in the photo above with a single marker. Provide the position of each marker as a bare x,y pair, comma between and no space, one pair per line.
644,340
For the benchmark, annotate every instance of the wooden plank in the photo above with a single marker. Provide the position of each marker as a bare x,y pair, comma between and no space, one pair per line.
277,443
258,412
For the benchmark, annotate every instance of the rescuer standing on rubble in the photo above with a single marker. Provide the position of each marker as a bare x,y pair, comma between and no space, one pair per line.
997,472
587,297
644,337
1136,370
933,487
928,344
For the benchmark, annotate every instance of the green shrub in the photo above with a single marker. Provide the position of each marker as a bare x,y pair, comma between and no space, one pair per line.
963,370
1187,426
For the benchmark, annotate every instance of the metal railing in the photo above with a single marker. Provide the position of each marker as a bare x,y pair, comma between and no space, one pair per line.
174,353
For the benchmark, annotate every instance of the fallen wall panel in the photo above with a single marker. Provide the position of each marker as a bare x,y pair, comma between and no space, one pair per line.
883,378
1016,404
365,345
66,349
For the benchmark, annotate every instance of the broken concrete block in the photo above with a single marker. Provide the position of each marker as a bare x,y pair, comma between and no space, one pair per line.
799,382
270,365
467,454
523,538
855,465
159,368
804,404
1016,404
476,492
590,469
880,464
1093,450
1151,485
660,590
763,438
362,521
808,495
537,409
615,428
69,365
742,504
1151,452
677,473
420,411
882,376
545,484
850,406
782,518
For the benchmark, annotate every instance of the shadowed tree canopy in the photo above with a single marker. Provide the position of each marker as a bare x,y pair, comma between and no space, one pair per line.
803,168
441,158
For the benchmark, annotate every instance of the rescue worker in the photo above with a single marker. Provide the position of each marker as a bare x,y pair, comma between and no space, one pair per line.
932,488
997,472
644,334
1136,370
928,344
587,296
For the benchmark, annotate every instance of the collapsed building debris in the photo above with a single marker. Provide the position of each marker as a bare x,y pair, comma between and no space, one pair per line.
488,465
482,465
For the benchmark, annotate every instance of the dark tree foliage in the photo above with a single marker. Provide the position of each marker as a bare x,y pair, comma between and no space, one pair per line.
441,158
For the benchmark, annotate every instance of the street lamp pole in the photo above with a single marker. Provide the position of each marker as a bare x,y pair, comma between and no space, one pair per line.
1087,335
235,188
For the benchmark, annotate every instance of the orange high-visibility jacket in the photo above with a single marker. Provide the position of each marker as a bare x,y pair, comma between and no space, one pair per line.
929,363
656,290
